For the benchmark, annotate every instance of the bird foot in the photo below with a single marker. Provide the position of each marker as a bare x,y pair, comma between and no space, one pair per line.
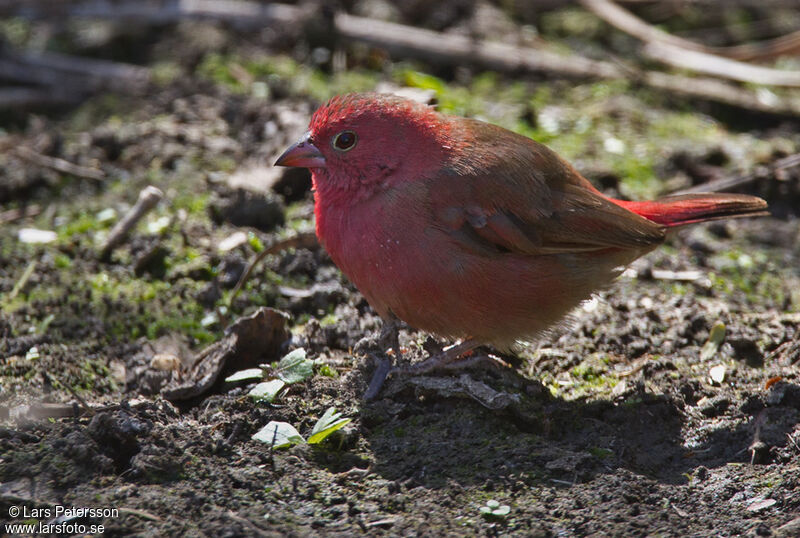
451,358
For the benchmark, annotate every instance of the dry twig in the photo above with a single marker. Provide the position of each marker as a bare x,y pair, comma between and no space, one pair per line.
59,165
682,53
622,19
14,98
68,72
303,240
59,78
785,45
23,280
431,46
455,49
18,213
710,64
629,23
730,183
148,198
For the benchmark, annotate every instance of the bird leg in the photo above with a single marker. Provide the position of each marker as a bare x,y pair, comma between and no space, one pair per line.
382,371
441,360
390,336
447,358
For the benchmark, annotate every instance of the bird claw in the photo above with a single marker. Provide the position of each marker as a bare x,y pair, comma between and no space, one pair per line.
382,371
448,359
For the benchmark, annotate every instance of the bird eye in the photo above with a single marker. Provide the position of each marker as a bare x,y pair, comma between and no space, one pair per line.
345,141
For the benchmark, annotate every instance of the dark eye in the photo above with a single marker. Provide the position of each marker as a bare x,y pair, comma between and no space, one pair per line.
344,141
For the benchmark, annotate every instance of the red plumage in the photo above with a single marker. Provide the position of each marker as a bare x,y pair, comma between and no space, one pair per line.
467,230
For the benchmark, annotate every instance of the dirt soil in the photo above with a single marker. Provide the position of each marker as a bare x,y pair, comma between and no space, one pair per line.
669,405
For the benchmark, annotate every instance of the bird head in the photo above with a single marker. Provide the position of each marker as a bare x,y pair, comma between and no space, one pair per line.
358,144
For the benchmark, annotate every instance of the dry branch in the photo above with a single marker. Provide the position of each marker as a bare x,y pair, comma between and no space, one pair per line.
148,198
710,64
155,11
18,213
20,97
436,47
453,49
55,79
59,165
735,182
301,240
685,54
786,45
35,412
629,23
71,72
171,10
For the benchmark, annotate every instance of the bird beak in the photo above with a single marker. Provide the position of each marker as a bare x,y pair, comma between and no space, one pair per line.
303,154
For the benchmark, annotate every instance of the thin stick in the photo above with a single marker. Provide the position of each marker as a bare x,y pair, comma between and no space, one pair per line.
682,53
457,49
66,73
148,198
711,64
26,275
447,49
629,23
785,45
303,240
69,389
14,98
735,182
59,165
12,215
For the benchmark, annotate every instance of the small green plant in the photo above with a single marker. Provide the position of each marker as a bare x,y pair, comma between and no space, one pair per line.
494,511
279,435
326,425
292,368
599,452
715,338
283,435
267,391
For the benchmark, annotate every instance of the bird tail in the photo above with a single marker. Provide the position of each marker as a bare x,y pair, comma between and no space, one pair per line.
681,209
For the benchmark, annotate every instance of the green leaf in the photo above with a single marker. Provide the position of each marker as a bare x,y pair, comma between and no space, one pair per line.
715,338
294,367
255,242
279,435
325,369
494,510
502,510
326,425
266,391
251,374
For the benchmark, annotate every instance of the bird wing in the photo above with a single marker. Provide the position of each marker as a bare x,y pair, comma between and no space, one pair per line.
507,193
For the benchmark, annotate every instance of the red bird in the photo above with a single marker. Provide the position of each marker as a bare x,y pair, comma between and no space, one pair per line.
468,230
